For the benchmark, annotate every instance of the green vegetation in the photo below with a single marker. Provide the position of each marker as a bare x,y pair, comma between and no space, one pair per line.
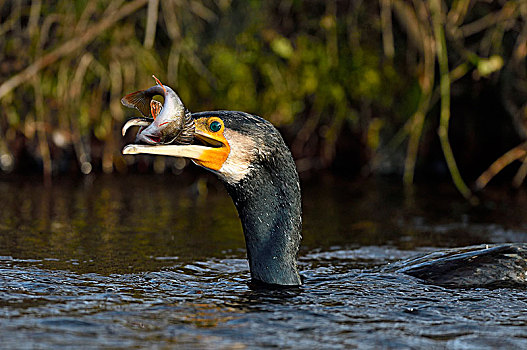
364,80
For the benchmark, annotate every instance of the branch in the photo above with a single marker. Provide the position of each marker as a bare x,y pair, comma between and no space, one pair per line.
444,88
516,153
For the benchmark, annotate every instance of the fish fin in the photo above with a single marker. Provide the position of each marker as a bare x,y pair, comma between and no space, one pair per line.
139,100
159,83
155,108
187,133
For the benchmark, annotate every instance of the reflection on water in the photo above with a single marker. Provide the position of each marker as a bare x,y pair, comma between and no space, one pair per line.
145,262
110,225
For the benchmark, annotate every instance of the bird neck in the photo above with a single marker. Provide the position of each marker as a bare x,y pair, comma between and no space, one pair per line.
269,205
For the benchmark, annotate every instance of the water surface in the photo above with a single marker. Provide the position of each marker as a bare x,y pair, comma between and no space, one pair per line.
153,262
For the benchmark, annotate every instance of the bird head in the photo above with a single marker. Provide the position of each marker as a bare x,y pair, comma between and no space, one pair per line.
227,143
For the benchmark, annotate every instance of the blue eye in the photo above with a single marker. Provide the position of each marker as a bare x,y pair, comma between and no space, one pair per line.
215,126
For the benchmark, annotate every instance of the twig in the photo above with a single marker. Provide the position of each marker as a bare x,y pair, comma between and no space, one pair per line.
457,13
45,153
151,23
202,11
444,83
70,46
386,28
520,48
482,23
116,82
520,175
500,163
416,126
492,41
173,64
8,24
75,93
408,20
34,15
169,11
328,148
84,20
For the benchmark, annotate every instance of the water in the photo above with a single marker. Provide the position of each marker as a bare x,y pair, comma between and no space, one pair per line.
149,262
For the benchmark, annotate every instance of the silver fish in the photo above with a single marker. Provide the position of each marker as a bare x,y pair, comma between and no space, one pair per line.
171,122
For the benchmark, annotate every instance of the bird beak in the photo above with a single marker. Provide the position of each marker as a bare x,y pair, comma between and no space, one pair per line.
211,153
194,152
172,129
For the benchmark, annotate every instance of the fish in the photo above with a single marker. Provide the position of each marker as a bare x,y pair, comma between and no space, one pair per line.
164,123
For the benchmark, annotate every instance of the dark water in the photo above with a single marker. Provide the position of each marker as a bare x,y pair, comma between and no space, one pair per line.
149,262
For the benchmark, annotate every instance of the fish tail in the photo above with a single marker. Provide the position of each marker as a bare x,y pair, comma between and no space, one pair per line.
139,100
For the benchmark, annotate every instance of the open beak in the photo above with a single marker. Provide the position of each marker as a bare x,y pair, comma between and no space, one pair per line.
156,148
206,150
172,129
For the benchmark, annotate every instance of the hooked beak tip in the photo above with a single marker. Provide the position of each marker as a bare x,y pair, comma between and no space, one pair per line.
129,149
134,122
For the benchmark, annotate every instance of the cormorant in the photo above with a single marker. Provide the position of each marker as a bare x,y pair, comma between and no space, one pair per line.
250,157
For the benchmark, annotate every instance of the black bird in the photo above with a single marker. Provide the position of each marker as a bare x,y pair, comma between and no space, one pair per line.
250,157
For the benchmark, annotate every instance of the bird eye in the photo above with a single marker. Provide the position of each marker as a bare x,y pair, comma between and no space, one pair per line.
215,126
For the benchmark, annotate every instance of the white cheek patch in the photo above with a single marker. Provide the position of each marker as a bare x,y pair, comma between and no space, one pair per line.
238,163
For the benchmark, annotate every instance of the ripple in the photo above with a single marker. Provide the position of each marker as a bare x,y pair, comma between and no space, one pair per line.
106,267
